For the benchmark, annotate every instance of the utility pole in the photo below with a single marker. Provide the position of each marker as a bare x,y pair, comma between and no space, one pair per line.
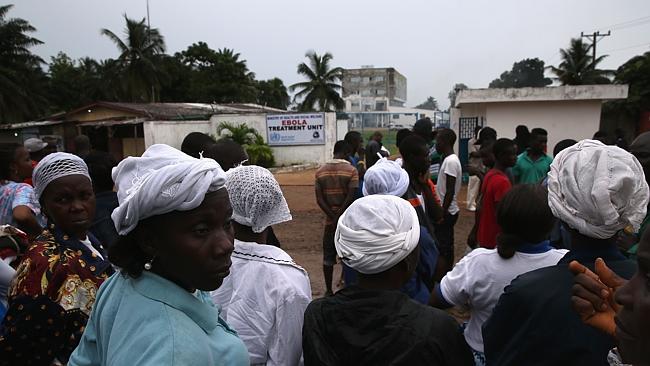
594,40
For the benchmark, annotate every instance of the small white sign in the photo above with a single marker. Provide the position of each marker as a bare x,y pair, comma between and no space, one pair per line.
295,129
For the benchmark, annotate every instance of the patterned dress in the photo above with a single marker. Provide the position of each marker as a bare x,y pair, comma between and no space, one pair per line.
50,299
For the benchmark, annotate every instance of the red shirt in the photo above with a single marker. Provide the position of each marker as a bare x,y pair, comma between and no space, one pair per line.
495,185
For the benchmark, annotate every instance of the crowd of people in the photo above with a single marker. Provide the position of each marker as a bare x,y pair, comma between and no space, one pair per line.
170,258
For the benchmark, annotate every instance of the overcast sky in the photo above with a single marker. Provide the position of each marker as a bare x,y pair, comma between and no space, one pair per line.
435,44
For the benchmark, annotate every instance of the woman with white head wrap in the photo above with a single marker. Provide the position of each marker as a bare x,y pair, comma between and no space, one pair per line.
388,177
595,190
174,221
54,289
262,274
372,322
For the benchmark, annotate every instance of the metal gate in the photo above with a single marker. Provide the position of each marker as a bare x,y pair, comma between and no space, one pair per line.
466,126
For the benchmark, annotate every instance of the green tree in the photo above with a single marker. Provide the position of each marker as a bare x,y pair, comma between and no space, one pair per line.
454,92
137,61
241,134
218,76
259,152
525,73
431,103
636,74
22,81
321,88
578,66
272,93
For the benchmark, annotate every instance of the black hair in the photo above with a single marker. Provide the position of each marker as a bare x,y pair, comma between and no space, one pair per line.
412,145
401,135
352,136
448,135
501,147
487,149
563,145
342,147
7,157
100,165
81,143
522,131
524,217
196,142
127,254
225,152
538,132
377,134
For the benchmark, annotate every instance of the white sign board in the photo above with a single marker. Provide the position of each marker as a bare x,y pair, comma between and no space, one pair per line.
295,129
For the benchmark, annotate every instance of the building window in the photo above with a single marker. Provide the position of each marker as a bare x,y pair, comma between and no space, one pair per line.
395,116
379,78
380,91
380,106
366,79
355,79
365,93
355,104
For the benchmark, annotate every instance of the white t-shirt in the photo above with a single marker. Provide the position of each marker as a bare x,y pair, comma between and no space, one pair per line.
450,166
479,279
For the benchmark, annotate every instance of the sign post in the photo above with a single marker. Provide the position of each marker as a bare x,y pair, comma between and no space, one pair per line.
295,129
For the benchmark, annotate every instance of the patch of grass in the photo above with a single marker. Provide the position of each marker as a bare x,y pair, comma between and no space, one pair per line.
388,141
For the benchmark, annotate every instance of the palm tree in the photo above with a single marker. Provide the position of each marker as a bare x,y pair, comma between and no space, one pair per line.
321,88
22,81
578,66
137,60
241,134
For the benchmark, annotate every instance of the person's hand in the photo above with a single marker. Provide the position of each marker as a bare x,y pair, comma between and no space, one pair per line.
593,295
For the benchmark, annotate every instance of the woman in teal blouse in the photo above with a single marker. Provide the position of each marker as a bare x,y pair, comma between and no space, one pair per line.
175,243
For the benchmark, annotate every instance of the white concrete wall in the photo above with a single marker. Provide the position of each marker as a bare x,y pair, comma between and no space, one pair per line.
341,128
563,120
173,132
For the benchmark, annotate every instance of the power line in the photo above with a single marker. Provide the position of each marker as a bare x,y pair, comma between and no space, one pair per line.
628,23
629,47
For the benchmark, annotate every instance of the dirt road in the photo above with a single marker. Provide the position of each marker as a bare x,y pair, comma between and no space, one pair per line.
302,237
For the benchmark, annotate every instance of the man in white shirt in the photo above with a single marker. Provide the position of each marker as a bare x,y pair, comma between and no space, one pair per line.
449,181
266,294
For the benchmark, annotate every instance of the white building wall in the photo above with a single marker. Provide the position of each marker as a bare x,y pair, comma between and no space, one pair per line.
563,120
173,132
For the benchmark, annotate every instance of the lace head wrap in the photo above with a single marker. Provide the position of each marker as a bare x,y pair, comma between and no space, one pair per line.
256,198
54,166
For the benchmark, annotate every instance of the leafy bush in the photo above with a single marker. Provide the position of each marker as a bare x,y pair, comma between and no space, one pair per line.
259,152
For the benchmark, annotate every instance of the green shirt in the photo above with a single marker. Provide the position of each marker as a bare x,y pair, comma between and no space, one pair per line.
527,171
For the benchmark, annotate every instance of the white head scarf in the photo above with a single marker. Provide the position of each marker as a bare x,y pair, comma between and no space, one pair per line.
376,232
256,198
55,166
385,177
161,181
597,189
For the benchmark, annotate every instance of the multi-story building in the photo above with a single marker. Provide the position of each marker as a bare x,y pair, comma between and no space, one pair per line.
373,89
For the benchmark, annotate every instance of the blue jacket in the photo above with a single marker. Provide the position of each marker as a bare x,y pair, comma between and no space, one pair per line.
152,321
